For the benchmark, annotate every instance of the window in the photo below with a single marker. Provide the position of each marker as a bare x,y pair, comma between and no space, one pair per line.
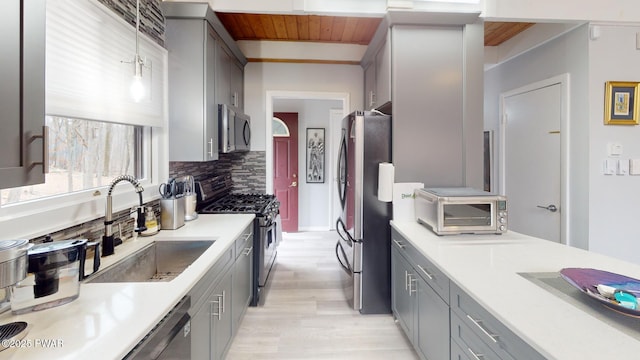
280,129
83,155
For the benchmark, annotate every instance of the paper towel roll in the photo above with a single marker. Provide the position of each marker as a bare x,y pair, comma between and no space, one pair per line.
386,175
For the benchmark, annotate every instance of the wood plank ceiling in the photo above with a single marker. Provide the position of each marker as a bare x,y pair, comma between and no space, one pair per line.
316,28
332,29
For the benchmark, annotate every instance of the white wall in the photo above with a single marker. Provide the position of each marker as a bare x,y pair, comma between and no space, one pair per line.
262,77
314,199
566,54
614,204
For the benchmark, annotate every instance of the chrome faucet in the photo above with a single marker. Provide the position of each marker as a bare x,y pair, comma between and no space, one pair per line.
108,242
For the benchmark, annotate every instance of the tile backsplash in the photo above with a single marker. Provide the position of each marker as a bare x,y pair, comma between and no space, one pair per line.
246,169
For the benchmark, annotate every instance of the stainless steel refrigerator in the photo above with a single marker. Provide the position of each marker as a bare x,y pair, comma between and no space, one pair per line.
363,248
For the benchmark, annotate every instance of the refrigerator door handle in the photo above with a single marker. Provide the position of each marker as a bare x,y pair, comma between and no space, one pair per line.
341,229
340,251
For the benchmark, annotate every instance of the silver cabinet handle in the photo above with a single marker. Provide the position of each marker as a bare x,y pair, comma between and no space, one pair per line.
411,282
223,300
211,147
406,281
430,276
551,207
479,324
400,245
45,149
247,251
476,356
219,306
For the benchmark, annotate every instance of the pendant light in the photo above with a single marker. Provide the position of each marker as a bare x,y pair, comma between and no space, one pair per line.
137,89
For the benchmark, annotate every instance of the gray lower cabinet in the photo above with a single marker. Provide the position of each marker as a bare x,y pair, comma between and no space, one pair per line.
420,311
22,97
440,319
242,278
220,300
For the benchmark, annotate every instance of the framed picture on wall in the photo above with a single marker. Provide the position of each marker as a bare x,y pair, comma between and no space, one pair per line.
315,155
621,103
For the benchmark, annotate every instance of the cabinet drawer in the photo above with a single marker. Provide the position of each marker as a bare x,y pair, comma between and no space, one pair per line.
458,354
244,241
471,345
486,327
425,268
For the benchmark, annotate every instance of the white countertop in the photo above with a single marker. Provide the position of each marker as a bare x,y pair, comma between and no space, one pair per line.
108,320
486,267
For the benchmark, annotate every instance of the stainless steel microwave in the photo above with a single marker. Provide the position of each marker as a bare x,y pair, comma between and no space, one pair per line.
235,129
461,210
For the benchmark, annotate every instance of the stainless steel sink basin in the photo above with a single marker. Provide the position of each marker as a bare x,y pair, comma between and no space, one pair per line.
158,261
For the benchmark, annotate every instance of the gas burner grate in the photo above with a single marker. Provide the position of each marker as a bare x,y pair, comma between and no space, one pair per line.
15,330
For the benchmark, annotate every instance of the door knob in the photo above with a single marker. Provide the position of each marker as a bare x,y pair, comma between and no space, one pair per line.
551,207
294,184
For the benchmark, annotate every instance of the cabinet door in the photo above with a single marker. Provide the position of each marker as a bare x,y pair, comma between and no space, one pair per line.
221,317
224,67
370,86
200,333
211,106
242,272
237,84
383,74
402,285
22,66
431,336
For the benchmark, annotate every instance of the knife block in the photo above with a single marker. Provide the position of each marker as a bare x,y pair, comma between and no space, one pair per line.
172,213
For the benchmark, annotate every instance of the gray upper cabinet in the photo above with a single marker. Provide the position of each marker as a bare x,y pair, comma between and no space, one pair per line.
230,84
23,135
193,111
377,77
206,68
421,71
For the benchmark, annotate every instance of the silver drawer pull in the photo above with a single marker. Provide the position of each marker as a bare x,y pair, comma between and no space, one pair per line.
478,323
400,245
247,251
430,276
476,356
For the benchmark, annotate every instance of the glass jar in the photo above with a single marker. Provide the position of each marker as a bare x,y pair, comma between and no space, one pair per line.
151,222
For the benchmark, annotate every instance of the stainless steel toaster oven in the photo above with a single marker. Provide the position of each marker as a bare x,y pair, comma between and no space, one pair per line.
461,210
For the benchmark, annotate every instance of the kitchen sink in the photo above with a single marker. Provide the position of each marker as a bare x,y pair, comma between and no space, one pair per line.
157,262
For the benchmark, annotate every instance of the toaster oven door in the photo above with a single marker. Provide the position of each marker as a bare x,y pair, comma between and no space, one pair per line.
468,215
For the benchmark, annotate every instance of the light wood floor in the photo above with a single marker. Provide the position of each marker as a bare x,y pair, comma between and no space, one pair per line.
306,315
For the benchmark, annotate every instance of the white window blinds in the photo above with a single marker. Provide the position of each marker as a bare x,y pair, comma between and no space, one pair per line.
88,66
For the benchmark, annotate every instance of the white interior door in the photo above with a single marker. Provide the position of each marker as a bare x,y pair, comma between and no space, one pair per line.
532,161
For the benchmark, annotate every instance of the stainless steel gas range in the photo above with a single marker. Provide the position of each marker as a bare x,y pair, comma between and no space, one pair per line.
266,232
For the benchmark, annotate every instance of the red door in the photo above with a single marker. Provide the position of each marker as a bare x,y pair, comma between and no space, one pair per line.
285,172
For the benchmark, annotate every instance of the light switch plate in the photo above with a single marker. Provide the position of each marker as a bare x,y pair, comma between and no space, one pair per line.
634,167
609,166
623,167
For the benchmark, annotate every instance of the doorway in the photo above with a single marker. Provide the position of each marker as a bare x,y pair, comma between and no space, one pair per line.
534,158
315,213
285,167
